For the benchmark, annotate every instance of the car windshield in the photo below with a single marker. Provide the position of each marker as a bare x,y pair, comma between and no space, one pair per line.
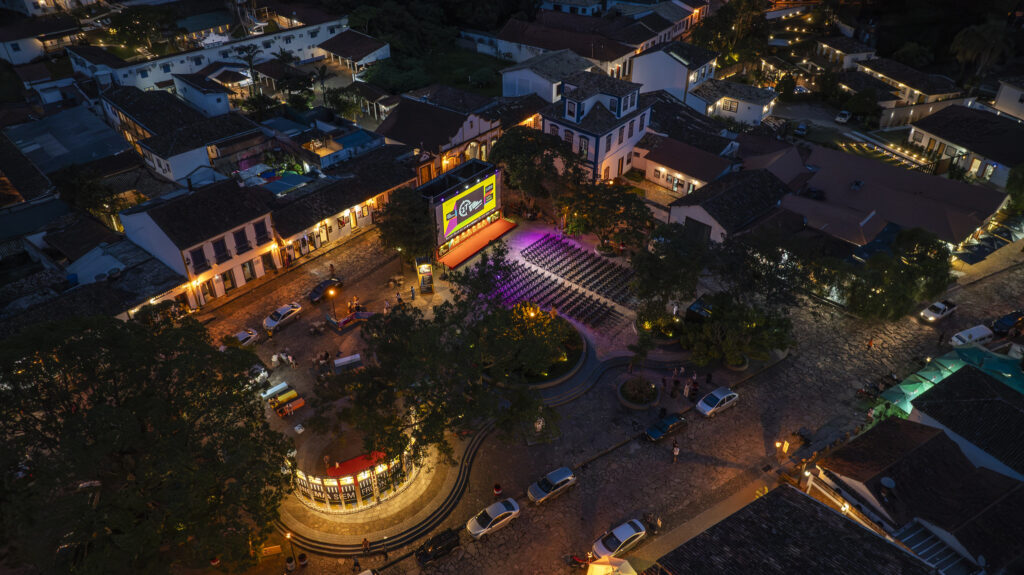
276,315
934,308
611,542
483,518
545,485
711,400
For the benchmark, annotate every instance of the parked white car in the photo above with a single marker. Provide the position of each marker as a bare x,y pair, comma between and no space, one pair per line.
493,518
281,317
716,401
551,485
619,540
843,117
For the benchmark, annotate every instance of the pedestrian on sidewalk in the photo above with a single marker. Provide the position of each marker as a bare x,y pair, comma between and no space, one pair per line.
366,546
871,343
675,451
412,293
387,305
686,390
355,565
694,377
332,270
675,372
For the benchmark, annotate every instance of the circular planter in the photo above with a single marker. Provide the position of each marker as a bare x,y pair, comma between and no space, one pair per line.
636,406
561,378
611,254
741,367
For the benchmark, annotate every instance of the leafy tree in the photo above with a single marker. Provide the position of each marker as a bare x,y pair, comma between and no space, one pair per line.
343,102
609,211
134,447
763,267
320,76
863,103
890,285
786,87
733,331
285,56
406,224
667,272
248,55
914,55
259,105
1015,189
429,374
530,157
828,85
85,193
533,341
981,45
301,101
141,24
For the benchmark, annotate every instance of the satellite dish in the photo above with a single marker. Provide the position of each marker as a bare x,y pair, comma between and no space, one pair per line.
888,483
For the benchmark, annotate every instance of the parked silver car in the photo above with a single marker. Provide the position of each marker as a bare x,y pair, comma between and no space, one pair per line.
618,541
281,317
716,401
246,337
493,518
551,485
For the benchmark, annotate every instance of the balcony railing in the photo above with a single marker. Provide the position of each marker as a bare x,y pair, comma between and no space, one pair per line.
260,240
200,267
242,248
222,257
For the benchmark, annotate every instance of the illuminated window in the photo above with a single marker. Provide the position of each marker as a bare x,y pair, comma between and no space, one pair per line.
730,105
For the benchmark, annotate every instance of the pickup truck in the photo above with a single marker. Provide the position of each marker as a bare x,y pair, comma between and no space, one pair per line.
937,311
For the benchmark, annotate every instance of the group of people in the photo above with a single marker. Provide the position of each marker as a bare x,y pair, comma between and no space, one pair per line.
282,358
691,390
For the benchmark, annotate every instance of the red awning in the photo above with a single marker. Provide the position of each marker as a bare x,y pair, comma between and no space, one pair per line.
356,465
476,242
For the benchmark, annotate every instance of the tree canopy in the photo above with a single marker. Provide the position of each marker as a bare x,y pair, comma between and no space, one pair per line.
138,25
530,157
133,447
612,212
667,272
429,376
733,331
406,224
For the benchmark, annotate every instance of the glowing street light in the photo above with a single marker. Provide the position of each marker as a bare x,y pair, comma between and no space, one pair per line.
332,292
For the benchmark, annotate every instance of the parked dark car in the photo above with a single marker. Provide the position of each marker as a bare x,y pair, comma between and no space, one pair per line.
320,291
664,427
1011,321
437,546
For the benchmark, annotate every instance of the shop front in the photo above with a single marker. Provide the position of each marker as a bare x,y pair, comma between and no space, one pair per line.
355,484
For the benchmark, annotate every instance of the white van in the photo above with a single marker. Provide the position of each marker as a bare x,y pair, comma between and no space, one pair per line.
347,363
274,391
978,334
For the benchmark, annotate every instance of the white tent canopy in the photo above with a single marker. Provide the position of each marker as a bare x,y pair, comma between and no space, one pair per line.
611,566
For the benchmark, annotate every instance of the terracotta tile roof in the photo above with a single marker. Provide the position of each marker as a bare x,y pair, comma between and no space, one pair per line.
586,45
860,81
787,532
615,27
714,90
998,138
230,77
738,199
367,91
421,125
513,110
670,117
846,45
554,66
199,134
683,157
582,85
451,98
689,55
157,111
352,45
930,84
276,69
203,84
77,237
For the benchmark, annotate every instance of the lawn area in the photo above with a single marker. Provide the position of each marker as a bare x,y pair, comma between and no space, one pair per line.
457,68
10,83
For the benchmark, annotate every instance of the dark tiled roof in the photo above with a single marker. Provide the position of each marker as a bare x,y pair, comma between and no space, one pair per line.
367,91
158,111
982,410
26,178
787,532
925,83
755,145
668,10
451,98
361,178
998,138
936,482
554,66
230,77
110,165
714,90
640,31
612,26
584,44
352,45
78,236
582,85
32,27
98,56
198,134
846,45
513,110
421,125
859,81
689,55
599,120
683,157
276,69
203,84
670,117
195,217
738,199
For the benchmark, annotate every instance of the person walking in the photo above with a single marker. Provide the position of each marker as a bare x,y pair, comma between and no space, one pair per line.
366,546
387,305
332,270
871,343
412,293
675,451
693,378
355,565
686,390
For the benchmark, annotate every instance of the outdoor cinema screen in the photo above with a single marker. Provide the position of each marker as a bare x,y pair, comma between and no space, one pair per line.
468,206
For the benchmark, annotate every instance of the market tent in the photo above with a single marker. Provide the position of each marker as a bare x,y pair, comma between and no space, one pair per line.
611,566
1003,368
917,383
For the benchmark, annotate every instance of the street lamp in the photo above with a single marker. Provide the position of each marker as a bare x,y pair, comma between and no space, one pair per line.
331,292
400,266
291,550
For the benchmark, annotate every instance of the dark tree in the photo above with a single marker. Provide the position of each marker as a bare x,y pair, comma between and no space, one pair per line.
612,212
735,331
406,225
134,447
530,157
667,272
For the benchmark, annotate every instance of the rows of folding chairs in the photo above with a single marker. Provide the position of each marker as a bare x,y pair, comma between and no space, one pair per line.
524,283
581,266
